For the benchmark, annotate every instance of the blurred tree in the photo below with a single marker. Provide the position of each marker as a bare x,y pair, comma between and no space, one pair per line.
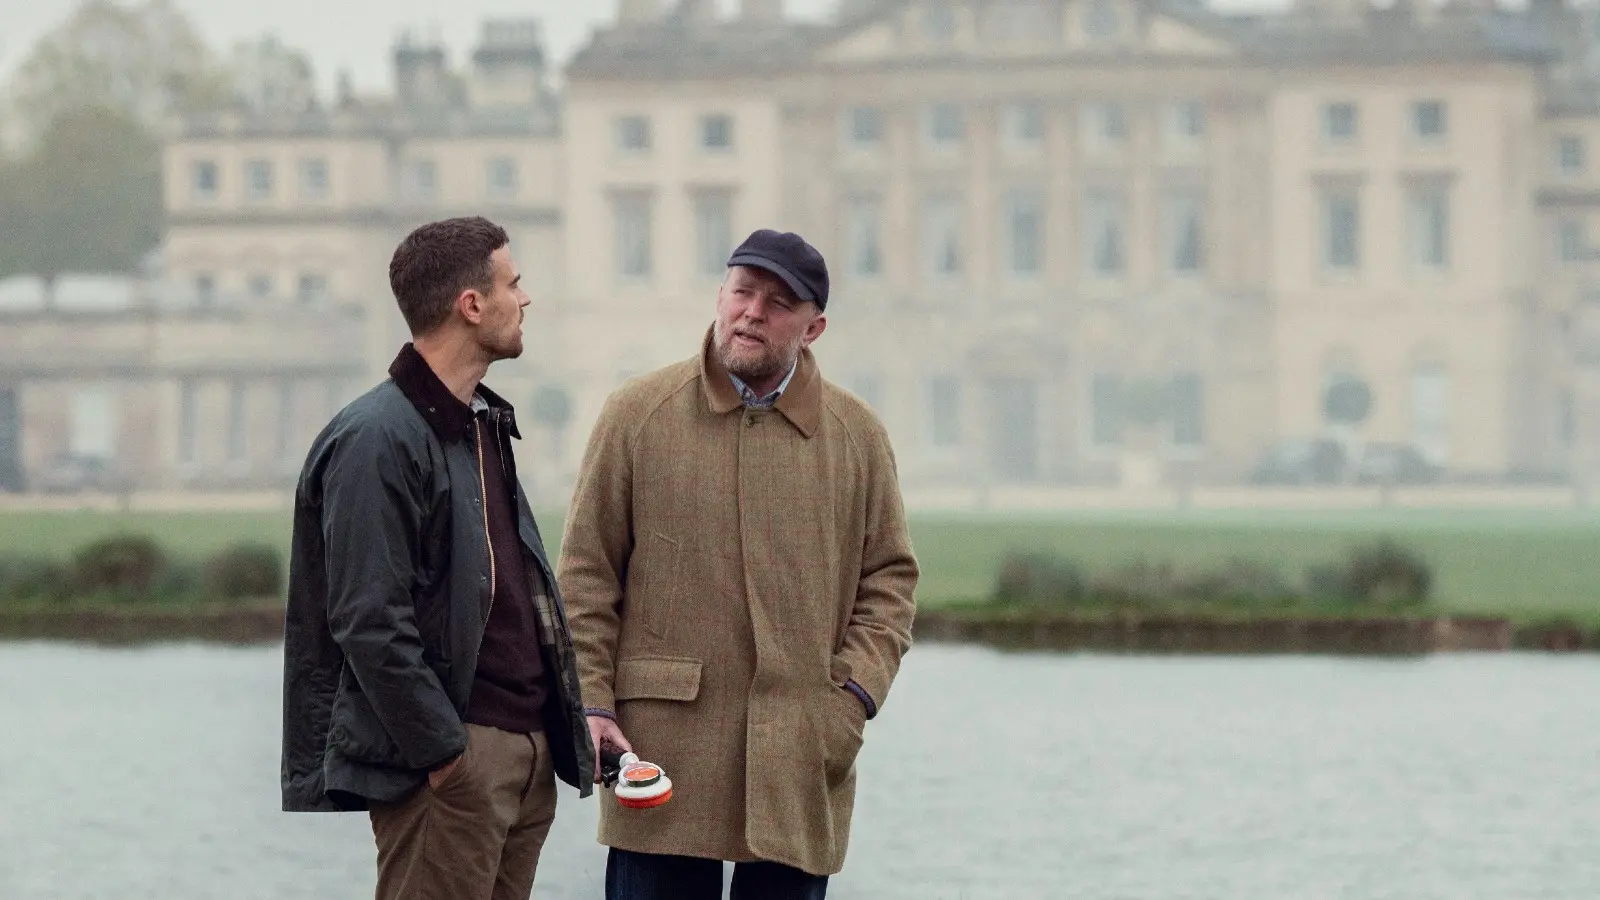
144,61
85,198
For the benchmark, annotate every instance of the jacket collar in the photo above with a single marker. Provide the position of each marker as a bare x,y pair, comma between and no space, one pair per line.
800,403
449,417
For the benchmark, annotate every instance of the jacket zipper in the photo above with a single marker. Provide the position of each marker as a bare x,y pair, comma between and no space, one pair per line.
488,540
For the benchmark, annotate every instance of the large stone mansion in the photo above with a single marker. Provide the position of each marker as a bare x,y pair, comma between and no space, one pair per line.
1073,242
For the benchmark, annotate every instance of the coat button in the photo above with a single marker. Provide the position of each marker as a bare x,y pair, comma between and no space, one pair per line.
749,421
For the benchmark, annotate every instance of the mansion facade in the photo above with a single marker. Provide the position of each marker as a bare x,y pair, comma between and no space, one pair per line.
1073,242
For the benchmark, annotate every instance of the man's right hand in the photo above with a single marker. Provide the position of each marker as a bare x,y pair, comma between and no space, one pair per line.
604,732
437,776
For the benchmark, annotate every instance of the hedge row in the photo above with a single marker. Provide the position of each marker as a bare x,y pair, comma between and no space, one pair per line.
1380,577
136,568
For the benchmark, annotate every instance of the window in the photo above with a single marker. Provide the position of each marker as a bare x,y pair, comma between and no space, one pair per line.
286,422
1105,126
1341,229
1105,405
1430,411
1340,124
1188,413
633,134
716,133
1573,240
312,289
205,290
1567,416
1185,125
941,235
93,433
1101,19
946,125
869,387
1428,120
864,127
713,229
238,424
421,183
258,180
188,422
1430,226
500,177
631,214
1185,232
1104,233
944,410
1571,155
261,286
1024,232
1023,124
939,22
864,235
313,179
204,180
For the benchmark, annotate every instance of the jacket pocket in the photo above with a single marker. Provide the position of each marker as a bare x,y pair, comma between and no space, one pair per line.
658,678
356,732
657,566
842,730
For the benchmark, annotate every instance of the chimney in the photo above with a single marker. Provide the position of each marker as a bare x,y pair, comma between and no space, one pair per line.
761,12
638,12
422,77
508,65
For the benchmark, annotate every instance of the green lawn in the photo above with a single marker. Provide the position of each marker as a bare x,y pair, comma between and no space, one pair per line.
1523,563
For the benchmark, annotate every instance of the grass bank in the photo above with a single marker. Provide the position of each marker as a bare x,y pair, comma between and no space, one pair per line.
1527,566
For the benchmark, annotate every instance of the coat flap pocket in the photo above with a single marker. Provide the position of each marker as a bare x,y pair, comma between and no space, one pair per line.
658,678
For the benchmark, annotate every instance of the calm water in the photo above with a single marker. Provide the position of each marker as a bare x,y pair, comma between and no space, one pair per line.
153,774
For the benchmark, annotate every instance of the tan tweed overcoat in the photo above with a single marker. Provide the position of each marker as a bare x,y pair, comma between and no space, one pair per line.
726,572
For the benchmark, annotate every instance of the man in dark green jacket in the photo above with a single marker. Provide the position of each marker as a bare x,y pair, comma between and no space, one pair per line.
428,671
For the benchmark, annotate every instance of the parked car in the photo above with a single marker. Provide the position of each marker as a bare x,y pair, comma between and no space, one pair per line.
1301,461
68,474
1384,463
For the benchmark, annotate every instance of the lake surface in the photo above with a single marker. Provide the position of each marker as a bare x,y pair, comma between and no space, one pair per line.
153,773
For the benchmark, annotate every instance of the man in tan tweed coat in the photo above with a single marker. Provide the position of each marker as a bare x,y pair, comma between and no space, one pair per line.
740,585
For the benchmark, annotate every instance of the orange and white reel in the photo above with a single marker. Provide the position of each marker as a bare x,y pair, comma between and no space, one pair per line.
637,784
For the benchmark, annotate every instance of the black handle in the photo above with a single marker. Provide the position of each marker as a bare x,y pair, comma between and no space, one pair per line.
610,764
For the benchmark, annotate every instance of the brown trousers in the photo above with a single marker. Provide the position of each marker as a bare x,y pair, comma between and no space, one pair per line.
478,836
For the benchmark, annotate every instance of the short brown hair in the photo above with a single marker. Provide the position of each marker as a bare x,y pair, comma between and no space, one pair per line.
438,261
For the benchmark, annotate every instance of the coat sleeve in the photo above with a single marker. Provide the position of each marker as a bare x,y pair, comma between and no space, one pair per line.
595,548
372,522
879,631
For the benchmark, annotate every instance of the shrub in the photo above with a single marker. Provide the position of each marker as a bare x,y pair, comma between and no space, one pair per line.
24,578
1237,582
1383,575
1243,582
1388,575
243,570
1138,585
1038,578
127,566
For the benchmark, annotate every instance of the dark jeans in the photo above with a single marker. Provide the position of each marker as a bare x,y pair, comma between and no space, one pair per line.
647,876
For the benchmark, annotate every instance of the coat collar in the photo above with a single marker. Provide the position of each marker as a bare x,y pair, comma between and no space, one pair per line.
449,417
801,403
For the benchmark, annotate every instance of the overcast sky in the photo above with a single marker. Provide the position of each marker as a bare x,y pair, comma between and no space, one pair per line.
350,34
357,34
